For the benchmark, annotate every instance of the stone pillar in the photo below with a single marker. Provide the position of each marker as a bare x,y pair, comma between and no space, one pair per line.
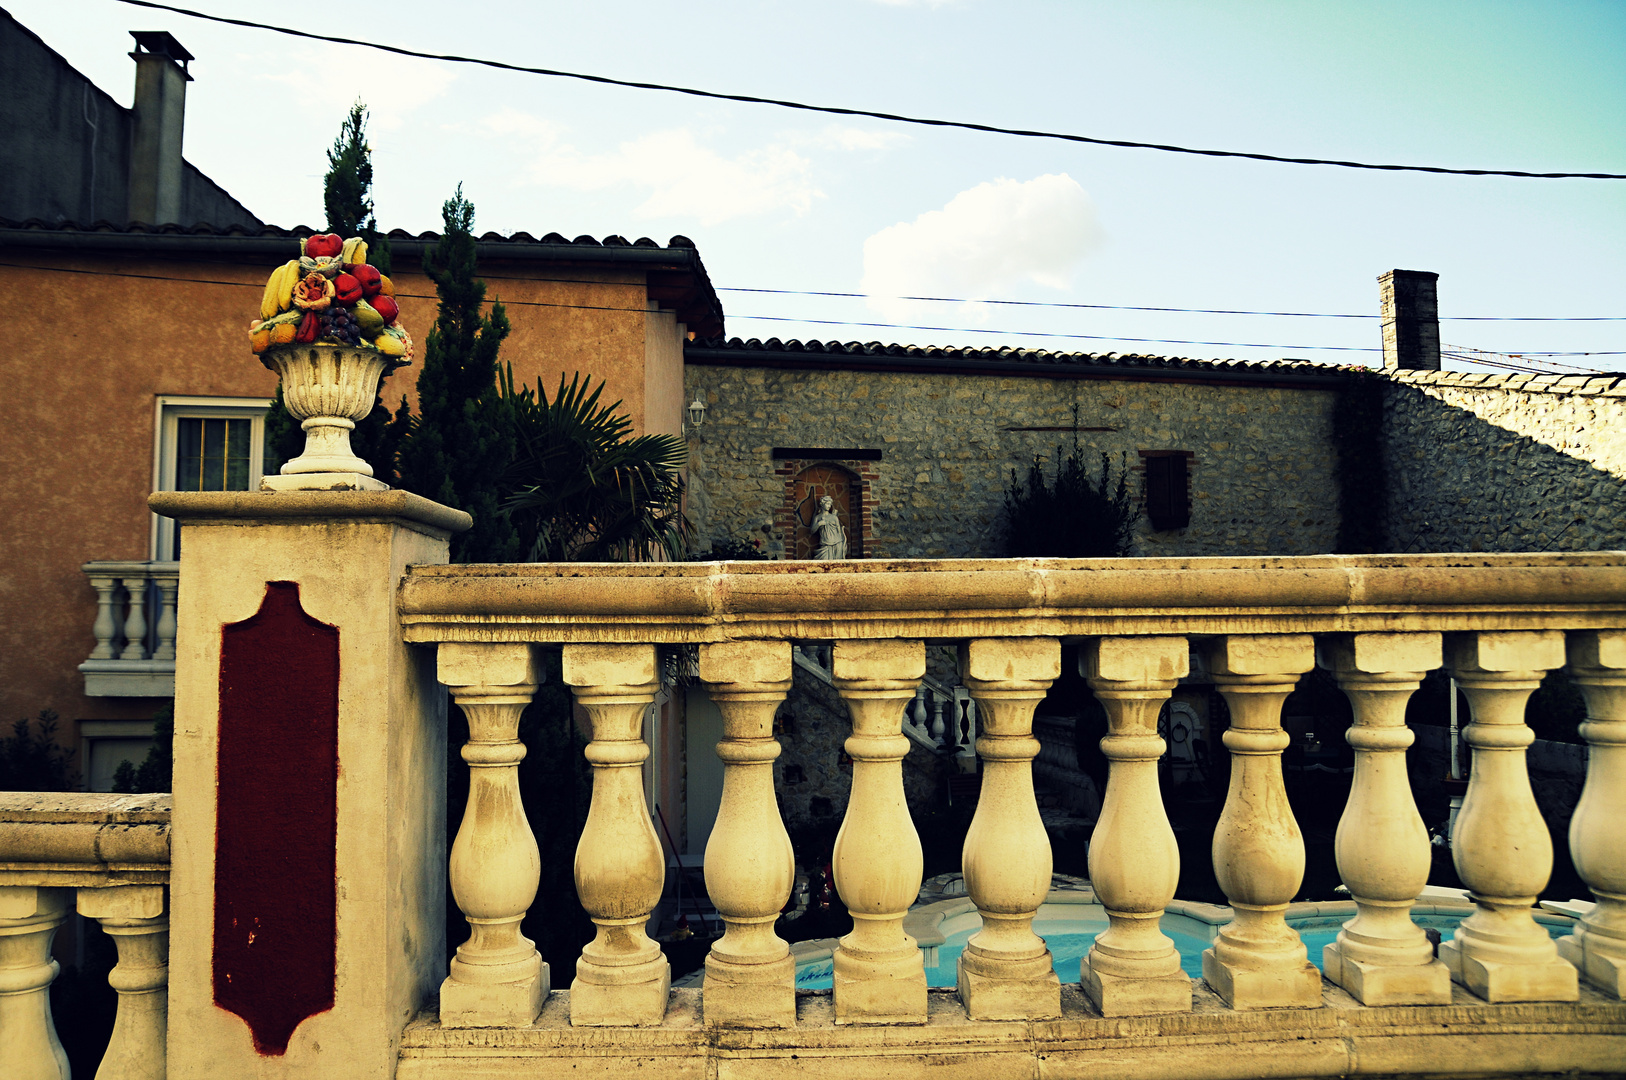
1258,960
1006,971
1598,946
498,978
168,585
622,977
106,625
1134,968
750,868
29,918
1409,307
1501,847
1381,957
135,624
134,916
308,873
880,974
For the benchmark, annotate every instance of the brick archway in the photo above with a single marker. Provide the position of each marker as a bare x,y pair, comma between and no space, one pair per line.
805,483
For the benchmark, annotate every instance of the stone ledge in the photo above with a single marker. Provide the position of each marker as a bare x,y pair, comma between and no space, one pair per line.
309,507
1585,384
83,840
1340,1039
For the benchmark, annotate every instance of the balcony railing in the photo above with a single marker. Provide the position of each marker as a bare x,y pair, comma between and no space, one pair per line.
1378,625
108,857
1501,998
134,629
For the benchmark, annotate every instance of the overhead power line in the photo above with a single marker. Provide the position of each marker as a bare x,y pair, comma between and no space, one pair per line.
1180,310
875,115
1462,354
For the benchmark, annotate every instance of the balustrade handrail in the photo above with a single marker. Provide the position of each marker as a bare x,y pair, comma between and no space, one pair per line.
84,839
669,603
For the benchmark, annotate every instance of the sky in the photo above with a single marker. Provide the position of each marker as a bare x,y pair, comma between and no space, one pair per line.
778,199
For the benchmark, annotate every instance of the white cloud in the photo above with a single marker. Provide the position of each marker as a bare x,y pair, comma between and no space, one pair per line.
682,177
984,243
318,83
836,137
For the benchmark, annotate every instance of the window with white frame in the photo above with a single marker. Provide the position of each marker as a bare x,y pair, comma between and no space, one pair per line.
205,444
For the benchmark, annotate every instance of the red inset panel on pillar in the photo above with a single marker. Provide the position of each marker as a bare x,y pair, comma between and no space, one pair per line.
276,818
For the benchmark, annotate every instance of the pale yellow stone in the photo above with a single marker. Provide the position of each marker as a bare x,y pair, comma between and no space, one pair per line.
750,995
1135,659
1381,956
347,550
1262,654
1598,947
1501,847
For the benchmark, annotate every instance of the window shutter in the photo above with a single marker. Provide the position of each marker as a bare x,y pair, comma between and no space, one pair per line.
1167,491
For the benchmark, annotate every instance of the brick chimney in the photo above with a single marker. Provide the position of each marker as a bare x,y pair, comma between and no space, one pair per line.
1410,308
158,119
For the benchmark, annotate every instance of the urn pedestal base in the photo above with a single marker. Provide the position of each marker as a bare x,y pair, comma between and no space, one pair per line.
322,481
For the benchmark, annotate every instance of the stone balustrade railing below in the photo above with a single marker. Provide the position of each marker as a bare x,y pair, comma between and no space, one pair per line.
1377,624
108,857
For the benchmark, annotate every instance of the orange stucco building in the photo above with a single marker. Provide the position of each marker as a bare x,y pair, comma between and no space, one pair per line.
112,339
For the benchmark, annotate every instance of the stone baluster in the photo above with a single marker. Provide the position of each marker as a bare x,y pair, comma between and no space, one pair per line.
939,729
107,624
880,975
1501,846
917,710
135,623
1381,957
1258,960
1006,972
29,917
168,585
1134,968
134,916
497,978
750,867
1598,946
622,977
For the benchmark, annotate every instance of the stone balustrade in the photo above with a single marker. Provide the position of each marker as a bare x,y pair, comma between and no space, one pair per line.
1376,624
1500,998
108,857
134,655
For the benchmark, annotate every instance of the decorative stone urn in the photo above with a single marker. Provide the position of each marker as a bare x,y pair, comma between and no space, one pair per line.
328,387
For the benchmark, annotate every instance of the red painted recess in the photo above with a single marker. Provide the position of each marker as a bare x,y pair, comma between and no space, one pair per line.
276,818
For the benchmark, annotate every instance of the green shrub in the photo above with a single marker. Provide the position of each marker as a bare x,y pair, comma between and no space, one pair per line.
1069,515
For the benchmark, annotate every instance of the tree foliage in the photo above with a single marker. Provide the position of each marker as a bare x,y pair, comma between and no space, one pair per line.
581,489
157,770
460,444
32,760
1069,515
347,195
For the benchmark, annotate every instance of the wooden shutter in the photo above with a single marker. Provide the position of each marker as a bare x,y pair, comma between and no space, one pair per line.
1168,501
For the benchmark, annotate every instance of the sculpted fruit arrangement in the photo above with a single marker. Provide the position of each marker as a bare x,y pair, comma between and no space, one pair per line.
330,294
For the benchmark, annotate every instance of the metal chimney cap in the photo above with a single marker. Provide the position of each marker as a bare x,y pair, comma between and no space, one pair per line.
161,43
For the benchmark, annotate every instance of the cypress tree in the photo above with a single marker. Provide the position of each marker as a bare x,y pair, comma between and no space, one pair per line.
347,195
458,446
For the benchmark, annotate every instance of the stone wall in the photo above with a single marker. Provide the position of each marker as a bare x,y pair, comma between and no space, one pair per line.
1262,473
1481,462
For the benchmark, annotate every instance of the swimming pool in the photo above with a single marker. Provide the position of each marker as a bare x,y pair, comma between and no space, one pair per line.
1069,928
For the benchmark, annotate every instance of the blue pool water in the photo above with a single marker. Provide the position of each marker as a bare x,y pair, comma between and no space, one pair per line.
1070,940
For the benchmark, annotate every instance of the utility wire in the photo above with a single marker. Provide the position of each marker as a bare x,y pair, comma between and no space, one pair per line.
774,318
1181,310
895,117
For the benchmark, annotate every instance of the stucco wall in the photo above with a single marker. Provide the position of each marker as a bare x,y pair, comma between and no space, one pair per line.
1480,462
87,344
1262,475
